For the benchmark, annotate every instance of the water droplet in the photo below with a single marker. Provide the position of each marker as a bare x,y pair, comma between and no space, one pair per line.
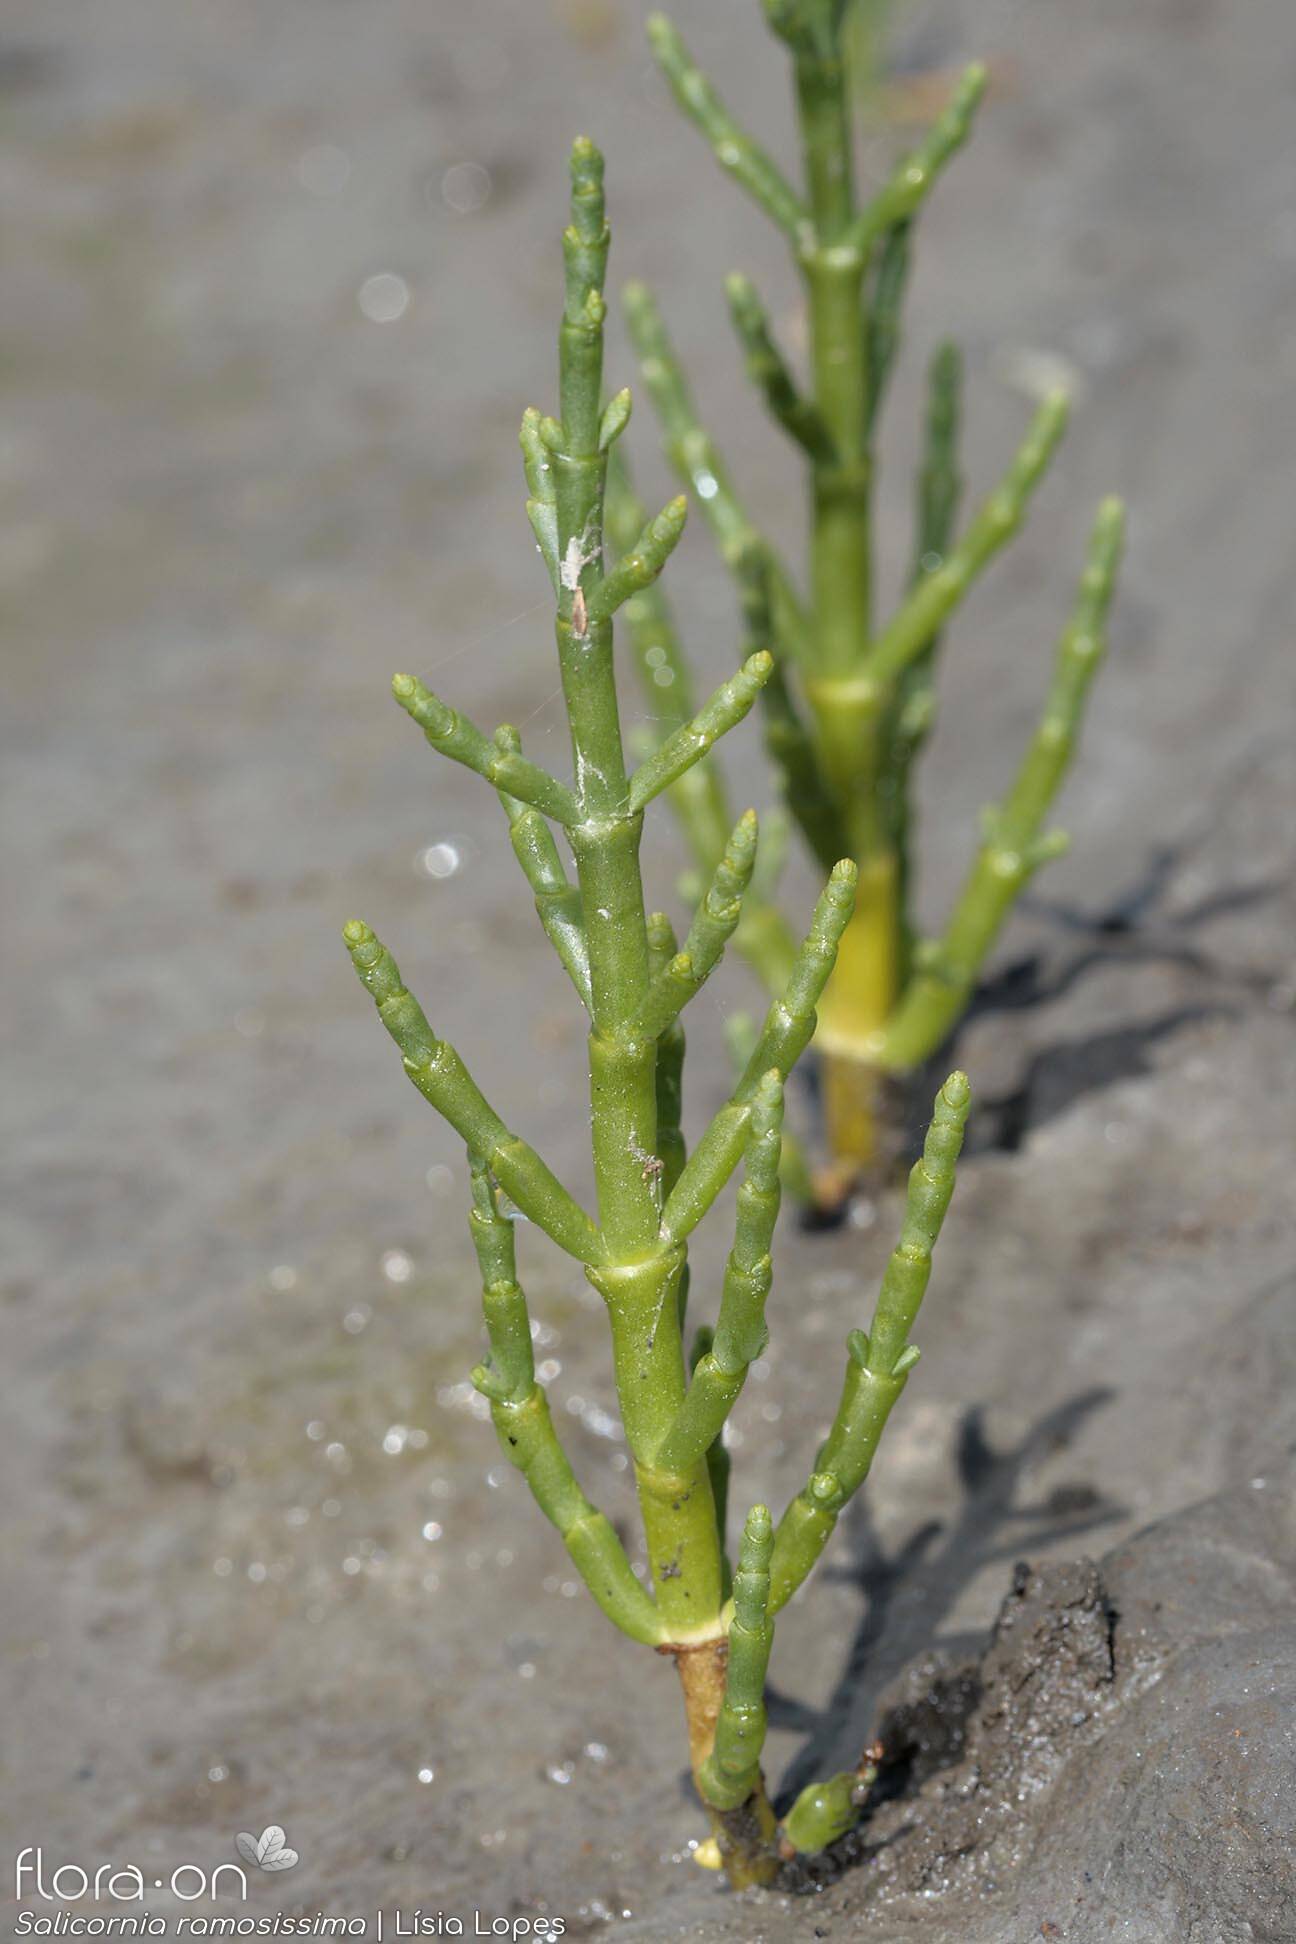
315,1429
706,485
427,1775
440,1179
466,187
394,1440
219,1773
440,860
432,1530
384,297
223,1567
397,1266
283,1276
355,1319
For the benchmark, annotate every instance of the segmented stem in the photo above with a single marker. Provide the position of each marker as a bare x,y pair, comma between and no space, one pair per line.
732,147
557,902
768,371
713,925
740,1333
451,734
695,458
1014,845
915,175
732,1773
520,1413
788,1027
940,590
689,744
878,1364
442,1078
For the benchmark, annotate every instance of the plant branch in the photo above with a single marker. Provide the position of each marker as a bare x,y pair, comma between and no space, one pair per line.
733,148
789,1025
639,568
713,925
732,1772
787,741
878,1364
886,298
442,1078
939,591
1014,845
766,367
688,745
454,736
557,902
915,176
520,1412
740,1332
697,461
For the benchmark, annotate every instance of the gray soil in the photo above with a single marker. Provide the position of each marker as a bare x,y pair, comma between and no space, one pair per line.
262,1562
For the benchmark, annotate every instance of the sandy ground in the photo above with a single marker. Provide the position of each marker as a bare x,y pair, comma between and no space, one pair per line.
262,1562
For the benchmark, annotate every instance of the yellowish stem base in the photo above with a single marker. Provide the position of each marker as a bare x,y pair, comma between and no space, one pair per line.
855,1007
743,1841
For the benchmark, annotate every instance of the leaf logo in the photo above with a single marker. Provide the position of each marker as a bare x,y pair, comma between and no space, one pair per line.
267,1850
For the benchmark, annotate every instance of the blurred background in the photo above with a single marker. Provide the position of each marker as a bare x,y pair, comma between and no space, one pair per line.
279,281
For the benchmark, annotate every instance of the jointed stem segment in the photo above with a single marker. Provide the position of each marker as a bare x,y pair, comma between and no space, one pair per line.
442,1078
1014,844
940,589
453,735
521,1415
734,150
716,919
878,1363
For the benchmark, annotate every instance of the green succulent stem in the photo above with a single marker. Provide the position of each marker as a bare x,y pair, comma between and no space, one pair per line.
1015,843
634,981
520,1412
731,1773
878,1364
846,745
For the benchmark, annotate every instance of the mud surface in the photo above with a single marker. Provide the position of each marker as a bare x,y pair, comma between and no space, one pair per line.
262,1563
1116,1762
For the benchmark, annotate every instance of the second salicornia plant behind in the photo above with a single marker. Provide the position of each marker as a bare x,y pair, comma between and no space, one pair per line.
634,981
851,701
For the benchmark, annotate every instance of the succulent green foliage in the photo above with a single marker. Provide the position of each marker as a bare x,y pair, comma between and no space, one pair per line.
634,981
1014,842
878,1364
850,702
731,1771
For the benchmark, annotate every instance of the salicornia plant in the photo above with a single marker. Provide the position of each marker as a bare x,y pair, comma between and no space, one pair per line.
634,981
850,702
